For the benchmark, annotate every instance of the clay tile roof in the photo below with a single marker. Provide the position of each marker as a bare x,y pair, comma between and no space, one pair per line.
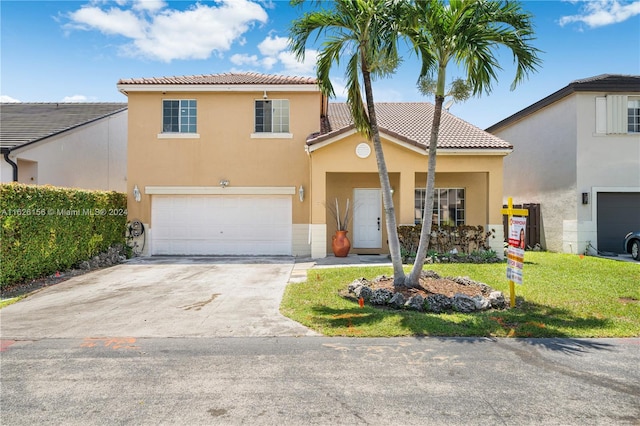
22,123
226,78
411,123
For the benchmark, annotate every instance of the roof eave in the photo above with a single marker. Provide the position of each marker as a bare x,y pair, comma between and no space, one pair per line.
128,88
321,142
475,151
573,87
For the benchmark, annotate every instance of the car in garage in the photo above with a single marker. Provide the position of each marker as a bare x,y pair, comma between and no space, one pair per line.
632,244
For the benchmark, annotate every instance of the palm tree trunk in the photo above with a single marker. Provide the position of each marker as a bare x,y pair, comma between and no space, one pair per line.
387,200
427,220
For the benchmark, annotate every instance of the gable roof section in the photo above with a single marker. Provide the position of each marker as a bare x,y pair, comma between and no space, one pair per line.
610,83
218,82
410,123
23,123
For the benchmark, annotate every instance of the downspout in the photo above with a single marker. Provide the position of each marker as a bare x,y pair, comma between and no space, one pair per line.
14,166
309,237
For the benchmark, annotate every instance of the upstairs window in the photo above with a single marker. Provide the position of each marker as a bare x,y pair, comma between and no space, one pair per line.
617,114
633,115
448,206
179,116
272,116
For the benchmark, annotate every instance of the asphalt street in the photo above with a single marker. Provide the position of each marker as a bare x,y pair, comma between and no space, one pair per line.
200,341
317,380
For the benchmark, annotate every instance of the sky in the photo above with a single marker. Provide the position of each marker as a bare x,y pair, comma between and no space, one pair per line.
76,51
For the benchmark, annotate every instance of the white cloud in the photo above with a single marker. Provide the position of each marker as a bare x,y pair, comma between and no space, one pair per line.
166,34
275,50
244,59
292,66
75,98
271,46
268,63
598,13
113,21
8,99
149,5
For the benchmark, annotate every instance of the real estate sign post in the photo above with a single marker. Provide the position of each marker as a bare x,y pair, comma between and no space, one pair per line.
515,251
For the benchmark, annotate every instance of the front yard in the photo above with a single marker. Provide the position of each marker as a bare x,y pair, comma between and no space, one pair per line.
562,296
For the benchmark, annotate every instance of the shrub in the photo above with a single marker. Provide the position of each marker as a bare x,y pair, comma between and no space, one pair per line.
464,239
46,229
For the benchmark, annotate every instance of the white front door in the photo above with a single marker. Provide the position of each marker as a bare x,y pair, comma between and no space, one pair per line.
367,218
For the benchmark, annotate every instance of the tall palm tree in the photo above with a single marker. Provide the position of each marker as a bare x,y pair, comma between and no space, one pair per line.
468,33
366,33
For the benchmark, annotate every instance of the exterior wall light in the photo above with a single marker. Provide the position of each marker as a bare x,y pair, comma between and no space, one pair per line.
301,193
136,193
224,183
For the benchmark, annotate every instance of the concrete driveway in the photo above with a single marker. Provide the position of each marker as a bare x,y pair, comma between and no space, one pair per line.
161,297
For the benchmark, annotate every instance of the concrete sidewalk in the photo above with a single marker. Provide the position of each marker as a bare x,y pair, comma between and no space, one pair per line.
302,265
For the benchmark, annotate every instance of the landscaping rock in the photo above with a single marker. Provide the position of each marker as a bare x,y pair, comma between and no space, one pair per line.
482,304
463,303
357,283
438,303
397,301
381,296
485,289
430,274
497,300
364,292
415,303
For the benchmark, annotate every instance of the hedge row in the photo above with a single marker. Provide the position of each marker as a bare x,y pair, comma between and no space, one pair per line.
464,238
47,229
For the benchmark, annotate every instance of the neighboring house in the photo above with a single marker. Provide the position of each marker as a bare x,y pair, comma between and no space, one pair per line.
81,145
577,154
245,163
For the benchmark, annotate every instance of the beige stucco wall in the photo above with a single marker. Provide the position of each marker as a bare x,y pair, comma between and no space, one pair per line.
224,149
337,170
93,156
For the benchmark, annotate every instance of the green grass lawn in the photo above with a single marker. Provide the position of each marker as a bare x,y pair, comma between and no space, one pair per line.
562,296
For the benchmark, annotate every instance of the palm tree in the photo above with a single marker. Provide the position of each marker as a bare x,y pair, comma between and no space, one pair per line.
468,33
365,31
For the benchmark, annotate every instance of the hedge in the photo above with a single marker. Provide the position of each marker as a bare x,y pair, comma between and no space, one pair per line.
47,229
463,238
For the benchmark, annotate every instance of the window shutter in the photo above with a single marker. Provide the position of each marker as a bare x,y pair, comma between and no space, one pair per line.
601,114
616,114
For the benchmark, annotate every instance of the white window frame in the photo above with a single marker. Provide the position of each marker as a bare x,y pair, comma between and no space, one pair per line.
633,114
459,203
280,120
613,113
192,119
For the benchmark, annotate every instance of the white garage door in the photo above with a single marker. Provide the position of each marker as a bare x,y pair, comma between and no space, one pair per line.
230,224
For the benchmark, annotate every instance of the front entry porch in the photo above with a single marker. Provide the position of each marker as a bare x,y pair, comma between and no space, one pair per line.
462,198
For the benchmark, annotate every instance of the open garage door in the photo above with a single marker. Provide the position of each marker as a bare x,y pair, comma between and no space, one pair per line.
618,214
221,225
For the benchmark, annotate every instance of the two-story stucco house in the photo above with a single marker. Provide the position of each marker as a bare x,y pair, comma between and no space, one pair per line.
81,145
245,163
577,153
